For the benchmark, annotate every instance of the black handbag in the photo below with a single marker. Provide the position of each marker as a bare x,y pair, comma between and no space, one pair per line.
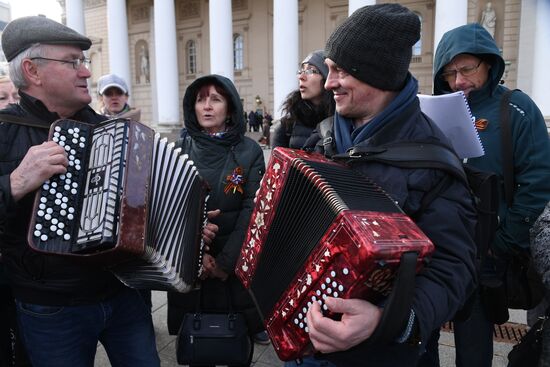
214,338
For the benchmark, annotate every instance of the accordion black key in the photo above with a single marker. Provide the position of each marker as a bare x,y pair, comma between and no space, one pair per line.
320,229
128,200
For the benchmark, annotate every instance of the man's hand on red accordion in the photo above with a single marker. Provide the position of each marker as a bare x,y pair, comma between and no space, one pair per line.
359,320
39,164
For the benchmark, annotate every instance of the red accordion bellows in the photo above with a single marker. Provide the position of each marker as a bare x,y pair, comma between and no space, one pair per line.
320,229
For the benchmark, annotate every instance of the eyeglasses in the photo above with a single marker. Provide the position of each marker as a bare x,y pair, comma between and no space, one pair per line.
307,72
76,63
450,75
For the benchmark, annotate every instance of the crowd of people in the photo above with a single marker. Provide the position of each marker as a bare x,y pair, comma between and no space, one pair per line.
355,93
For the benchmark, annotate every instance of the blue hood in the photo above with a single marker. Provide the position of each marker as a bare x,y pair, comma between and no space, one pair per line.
468,39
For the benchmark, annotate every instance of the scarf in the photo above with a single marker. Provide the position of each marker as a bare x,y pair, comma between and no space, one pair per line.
347,136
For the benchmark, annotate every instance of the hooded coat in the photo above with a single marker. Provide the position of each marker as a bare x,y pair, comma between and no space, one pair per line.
530,144
216,159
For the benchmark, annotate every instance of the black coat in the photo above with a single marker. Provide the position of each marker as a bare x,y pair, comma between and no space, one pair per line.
34,277
449,221
216,159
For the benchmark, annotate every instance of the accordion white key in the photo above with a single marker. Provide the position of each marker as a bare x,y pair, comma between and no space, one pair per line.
129,200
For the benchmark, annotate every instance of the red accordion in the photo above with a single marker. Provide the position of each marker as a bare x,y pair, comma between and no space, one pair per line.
320,229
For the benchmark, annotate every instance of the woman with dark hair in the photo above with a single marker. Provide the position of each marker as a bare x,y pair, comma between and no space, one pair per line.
233,166
305,107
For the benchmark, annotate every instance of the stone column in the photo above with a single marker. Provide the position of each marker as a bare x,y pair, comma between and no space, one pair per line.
166,63
449,14
221,38
119,51
353,5
285,51
534,53
75,15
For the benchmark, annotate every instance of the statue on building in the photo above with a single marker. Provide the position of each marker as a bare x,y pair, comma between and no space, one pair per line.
489,18
143,65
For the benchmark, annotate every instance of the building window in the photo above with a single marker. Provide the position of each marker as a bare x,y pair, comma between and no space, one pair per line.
417,47
191,49
237,51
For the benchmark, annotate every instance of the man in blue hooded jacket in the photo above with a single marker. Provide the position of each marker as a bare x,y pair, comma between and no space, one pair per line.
467,59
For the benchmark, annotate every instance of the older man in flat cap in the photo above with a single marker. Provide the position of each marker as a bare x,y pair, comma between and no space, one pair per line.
63,308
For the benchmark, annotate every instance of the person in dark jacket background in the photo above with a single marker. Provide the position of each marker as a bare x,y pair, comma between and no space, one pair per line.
368,57
63,308
233,165
305,107
469,60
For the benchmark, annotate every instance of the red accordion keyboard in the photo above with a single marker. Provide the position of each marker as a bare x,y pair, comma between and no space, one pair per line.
320,229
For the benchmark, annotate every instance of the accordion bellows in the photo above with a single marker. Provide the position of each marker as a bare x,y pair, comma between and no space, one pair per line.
129,201
320,229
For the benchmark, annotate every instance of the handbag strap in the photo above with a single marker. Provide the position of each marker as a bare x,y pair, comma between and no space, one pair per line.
225,286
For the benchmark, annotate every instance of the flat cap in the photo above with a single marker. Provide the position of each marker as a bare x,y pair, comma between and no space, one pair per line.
21,33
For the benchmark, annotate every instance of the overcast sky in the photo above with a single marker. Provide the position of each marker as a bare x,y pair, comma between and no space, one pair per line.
49,8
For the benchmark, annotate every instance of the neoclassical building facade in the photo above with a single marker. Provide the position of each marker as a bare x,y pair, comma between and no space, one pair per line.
161,46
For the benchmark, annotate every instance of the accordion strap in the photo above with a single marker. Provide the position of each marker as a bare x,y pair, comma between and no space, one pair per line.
25,121
398,305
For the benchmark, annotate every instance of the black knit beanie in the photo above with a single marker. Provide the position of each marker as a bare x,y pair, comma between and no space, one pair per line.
375,44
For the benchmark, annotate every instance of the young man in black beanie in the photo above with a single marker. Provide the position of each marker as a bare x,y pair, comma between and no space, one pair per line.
368,58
